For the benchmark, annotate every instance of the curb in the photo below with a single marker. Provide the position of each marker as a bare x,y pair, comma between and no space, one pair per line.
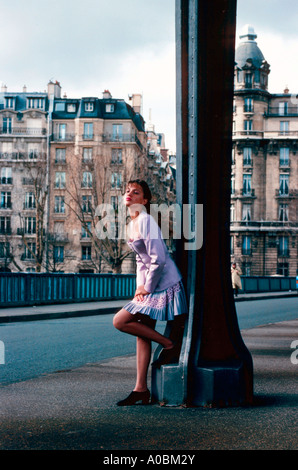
52,315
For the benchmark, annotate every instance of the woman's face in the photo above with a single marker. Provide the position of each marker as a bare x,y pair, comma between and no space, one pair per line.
134,195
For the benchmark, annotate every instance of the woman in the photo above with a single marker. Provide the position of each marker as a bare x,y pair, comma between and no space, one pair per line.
236,279
159,295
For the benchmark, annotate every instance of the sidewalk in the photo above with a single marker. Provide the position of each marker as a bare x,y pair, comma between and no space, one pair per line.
45,312
75,409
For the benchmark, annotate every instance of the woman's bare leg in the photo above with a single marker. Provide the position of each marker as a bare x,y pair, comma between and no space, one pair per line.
143,327
128,323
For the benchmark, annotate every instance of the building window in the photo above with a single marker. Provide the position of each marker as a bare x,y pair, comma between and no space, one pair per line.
246,212
246,269
284,153
4,250
5,201
9,103
110,108
117,132
87,154
283,213
283,185
58,254
30,225
87,179
248,80
284,127
283,108
246,185
283,246
88,130
62,131
60,155
89,107
71,108
35,103
60,107
30,250
86,204
6,177
59,206
232,213
86,252
7,125
29,201
232,184
33,153
246,245
248,105
117,156
247,125
283,269
86,230
231,245
5,225
247,156
60,179
116,180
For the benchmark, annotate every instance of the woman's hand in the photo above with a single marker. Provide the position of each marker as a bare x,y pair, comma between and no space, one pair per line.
140,292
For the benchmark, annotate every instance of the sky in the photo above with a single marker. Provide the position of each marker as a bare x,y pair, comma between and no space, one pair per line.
127,47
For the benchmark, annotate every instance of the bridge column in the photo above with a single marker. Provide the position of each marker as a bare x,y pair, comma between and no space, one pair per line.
214,366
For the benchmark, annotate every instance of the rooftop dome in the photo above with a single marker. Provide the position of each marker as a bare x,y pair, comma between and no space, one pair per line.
248,48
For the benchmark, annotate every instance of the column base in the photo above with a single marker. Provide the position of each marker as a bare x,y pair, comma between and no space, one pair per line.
227,383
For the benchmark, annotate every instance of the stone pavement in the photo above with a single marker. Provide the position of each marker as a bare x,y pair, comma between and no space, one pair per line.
76,409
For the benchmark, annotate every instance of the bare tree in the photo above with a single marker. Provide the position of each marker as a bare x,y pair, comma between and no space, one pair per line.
36,176
94,184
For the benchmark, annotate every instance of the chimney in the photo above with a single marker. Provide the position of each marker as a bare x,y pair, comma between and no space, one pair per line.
106,95
24,89
3,88
54,89
137,102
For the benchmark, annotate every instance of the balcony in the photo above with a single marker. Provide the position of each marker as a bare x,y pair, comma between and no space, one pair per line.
56,137
61,237
23,131
276,111
123,138
283,252
257,134
243,193
286,193
18,156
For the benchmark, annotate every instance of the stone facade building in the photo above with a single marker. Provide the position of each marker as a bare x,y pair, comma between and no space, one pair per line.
60,158
264,187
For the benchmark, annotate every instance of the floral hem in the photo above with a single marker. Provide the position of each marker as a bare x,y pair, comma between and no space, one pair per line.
164,305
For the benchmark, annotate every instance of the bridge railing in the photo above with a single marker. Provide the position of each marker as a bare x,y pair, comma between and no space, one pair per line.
19,289
267,284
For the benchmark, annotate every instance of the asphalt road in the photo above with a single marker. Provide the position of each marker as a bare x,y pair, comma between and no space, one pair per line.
39,347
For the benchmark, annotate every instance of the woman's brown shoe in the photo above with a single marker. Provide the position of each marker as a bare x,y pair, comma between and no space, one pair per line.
134,397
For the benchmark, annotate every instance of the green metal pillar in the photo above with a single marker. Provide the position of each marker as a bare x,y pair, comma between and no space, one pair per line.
214,366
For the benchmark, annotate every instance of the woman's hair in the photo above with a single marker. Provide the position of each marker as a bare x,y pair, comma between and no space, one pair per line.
146,191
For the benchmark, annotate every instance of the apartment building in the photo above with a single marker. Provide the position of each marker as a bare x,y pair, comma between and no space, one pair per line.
264,187
60,159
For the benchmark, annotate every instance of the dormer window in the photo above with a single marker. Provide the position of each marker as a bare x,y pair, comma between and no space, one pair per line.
110,108
89,107
71,108
35,103
9,103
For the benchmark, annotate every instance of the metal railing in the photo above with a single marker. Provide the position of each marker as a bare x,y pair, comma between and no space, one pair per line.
32,131
255,284
19,289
